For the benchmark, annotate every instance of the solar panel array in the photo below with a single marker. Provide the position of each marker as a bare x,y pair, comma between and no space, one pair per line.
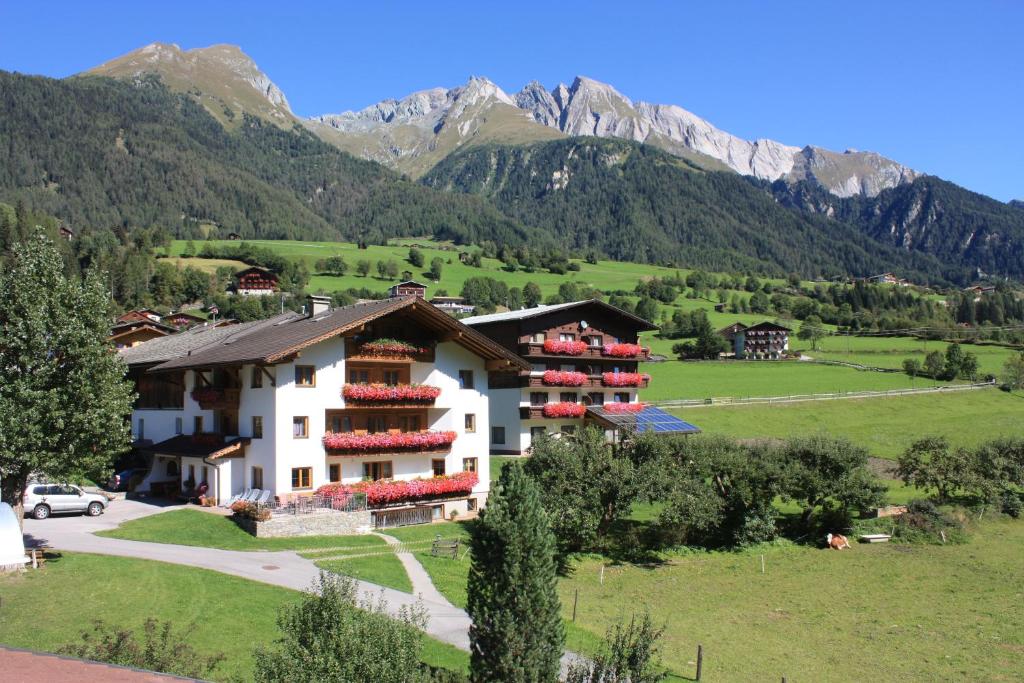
650,419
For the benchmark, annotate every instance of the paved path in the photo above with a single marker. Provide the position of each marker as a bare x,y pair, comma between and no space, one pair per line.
281,568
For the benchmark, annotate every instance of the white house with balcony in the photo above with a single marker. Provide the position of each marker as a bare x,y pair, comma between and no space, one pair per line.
387,397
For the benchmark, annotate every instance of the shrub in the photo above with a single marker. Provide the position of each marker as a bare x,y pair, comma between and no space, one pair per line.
386,491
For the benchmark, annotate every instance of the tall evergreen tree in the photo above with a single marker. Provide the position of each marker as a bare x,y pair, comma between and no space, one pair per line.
64,399
517,634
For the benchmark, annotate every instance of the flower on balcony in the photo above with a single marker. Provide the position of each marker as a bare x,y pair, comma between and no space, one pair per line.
390,347
386,441
385,491
387,393
564,378
622,350
624,379
569,348
207,394
564,409
624,407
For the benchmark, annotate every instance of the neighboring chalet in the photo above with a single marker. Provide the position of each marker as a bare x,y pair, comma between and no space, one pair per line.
453,304
390,389
131,333
66,232
138,315
583,358
255,281
408,288
763,341
887,279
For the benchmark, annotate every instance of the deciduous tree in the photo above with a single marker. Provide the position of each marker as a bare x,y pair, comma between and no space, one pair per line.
64,399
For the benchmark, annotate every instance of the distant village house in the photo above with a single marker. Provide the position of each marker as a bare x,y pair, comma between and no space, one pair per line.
255,282
408,288
764,341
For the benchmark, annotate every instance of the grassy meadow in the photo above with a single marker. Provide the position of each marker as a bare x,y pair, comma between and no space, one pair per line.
885,426
47,609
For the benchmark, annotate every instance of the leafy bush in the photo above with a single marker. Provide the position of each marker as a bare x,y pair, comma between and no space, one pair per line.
923,522
161,648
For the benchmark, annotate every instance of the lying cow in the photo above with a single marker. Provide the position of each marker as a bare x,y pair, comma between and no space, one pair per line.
837,541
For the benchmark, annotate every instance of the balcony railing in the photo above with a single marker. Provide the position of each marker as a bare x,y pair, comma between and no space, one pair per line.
359,442
553,411
389,395
592,382
536,350
216,398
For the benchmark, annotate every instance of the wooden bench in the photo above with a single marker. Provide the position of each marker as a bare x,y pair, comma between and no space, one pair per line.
441,548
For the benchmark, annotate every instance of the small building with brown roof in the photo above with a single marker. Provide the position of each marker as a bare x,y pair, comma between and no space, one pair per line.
255,281
763,341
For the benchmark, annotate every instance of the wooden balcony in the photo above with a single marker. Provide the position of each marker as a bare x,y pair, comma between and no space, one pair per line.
217,398
536,350
593,382
537,413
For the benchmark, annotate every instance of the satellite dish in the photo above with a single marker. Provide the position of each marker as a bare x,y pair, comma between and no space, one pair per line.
583,324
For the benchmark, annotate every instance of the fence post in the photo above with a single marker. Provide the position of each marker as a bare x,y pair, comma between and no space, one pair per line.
700,661
575,599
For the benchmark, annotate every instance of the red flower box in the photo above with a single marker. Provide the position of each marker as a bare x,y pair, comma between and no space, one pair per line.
624,407
569,348
565,378
390,347
385,491
384,442
624,379
386,393
622,350
564,409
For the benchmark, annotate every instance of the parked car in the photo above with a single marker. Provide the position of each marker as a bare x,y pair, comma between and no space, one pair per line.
121,481
42,500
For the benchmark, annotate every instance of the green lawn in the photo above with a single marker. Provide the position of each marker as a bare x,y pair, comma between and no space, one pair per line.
46,609
874,613
194,527
885,426
890,352
384,569
705,379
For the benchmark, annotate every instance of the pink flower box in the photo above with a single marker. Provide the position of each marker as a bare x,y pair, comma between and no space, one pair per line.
569,348
385,491
564,409
624,407
390,347
624,379
565,378
622,350
386,393
383,442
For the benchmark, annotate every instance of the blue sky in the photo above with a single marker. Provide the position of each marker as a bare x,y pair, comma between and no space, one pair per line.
936,85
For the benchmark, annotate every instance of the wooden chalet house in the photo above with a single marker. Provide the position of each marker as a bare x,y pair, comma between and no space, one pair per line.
255,282
388,390
408,288
763,341
583,367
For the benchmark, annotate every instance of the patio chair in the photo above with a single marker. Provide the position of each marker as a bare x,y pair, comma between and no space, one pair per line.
235,498
264,498
253,495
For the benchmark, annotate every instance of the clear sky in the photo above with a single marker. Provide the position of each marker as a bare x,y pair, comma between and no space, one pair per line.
934,84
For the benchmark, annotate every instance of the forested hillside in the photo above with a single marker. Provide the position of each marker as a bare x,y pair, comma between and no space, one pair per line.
965,230
103,153
636,203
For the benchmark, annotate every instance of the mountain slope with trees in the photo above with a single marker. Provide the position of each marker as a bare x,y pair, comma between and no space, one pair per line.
633,202
97,152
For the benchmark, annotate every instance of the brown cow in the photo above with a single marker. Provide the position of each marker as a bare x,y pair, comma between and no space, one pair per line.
837,541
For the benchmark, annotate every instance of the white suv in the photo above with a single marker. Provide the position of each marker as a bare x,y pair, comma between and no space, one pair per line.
41,500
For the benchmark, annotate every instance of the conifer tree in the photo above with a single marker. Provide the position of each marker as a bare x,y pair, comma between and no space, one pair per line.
517,634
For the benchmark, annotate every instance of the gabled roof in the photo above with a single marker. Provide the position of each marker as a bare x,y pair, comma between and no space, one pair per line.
731,330
769,326
190,446
183,343
409,283
274,340
524,313
125,330
256,269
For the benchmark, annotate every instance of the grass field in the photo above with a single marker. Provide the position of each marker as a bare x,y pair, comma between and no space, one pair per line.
889,352
875,613
885,426
46,609
705,379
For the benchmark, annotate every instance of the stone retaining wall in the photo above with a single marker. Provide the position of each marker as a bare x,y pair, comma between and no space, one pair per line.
318,523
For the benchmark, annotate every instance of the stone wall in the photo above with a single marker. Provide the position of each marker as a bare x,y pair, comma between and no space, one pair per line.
318,523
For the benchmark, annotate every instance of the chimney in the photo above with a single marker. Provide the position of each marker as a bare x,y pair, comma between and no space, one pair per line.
318,305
